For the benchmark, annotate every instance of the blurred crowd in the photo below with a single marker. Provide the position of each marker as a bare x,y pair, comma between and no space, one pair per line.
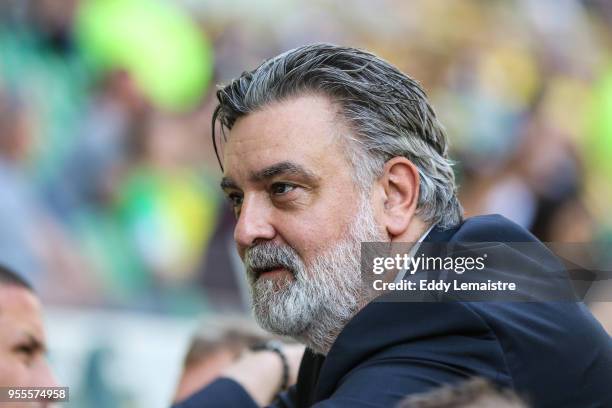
109,181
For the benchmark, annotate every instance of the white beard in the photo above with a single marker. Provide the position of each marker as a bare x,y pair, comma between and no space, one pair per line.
323,296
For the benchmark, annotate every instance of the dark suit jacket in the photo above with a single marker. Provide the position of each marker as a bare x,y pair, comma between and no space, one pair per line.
552,353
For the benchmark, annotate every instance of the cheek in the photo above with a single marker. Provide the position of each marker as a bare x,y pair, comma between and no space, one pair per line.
316,230
12,371
335,219
323,221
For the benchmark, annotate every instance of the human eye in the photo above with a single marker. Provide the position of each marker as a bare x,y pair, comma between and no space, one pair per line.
279,189
235,200
26,352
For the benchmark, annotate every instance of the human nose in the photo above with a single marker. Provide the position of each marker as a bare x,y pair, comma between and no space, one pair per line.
253,224
44,376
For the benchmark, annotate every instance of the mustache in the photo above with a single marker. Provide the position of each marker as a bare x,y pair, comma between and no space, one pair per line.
267,256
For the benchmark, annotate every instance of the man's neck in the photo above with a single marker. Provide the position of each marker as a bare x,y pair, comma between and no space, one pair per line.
414,232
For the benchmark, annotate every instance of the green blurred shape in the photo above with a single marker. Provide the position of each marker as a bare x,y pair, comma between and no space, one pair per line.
169,57
600,140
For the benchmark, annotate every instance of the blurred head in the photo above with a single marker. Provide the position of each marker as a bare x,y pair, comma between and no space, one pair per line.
327,147
15,128
207,357
53,18
22,337
475,393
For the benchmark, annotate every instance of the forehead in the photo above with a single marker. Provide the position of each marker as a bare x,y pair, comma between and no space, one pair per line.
304,130
19,311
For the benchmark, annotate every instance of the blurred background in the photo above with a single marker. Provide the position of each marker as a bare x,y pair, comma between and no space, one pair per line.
109,198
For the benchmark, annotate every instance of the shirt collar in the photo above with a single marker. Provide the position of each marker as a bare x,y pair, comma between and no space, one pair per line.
413,250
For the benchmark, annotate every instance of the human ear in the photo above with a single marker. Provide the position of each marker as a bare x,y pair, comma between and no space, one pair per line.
400,183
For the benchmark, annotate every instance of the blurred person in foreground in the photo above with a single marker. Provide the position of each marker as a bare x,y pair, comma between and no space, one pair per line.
22,339
328,147
208,356
475,393
204,361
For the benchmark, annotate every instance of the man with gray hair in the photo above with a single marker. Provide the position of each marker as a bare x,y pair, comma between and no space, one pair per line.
323,148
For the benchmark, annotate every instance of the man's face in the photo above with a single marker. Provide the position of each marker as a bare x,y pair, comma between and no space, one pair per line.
285,165
300,215
22,342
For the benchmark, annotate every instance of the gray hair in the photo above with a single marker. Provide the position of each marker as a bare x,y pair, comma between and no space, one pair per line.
387,111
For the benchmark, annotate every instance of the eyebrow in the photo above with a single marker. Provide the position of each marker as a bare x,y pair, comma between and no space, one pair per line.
278,169
228,183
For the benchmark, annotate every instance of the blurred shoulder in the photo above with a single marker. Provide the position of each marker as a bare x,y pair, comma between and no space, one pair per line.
491,228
